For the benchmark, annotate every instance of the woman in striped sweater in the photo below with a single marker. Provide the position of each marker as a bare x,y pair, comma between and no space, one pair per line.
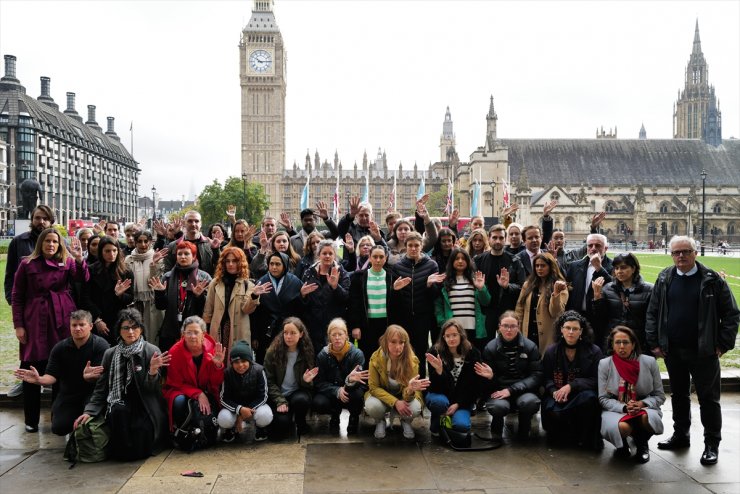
369,291
464,292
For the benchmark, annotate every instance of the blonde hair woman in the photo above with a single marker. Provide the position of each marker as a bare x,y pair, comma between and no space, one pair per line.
394,383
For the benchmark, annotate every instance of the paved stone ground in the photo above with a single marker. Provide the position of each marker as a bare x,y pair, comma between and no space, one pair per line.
325,463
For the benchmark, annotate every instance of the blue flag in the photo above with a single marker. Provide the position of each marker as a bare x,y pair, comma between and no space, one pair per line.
422,189
476,199
304,197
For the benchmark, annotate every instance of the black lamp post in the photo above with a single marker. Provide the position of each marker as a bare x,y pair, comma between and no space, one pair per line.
154,205
244,192
703,206
347,194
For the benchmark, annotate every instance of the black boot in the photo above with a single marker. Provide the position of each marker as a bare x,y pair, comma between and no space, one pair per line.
334,422
624,451
354,423
641,441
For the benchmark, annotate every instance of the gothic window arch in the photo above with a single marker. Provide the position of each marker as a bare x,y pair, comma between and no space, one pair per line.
610,206
674,228
665,207
731,228
652,228
568,224
717,208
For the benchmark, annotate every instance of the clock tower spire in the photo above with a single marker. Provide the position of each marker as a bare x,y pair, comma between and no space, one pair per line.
262,77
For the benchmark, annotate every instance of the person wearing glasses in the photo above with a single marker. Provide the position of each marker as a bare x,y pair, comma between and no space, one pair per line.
144,263
630,393
128,394
512,375
691,321
571,413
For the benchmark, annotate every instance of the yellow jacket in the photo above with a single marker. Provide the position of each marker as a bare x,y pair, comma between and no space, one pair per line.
378,381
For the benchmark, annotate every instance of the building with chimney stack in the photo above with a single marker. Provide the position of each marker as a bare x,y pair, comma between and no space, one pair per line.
84,171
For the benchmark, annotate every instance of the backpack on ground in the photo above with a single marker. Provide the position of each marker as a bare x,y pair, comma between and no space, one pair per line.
462,441
197,431
89,442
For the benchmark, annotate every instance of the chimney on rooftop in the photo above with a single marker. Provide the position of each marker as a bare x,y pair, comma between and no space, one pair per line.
70,111
9,81
111,132
10,67
91,118
46,93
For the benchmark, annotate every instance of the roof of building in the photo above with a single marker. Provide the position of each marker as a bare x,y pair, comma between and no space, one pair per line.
14,102
619,162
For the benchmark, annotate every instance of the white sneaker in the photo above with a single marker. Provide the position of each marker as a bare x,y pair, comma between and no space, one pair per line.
16,390
408,431
380,429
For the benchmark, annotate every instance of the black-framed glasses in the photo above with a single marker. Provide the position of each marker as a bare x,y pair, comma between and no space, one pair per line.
129,328
683,252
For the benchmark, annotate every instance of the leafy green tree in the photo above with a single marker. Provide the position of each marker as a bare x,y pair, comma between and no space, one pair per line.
437,202
215,199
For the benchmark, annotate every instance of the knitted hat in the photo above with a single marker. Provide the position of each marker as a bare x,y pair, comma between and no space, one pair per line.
241,351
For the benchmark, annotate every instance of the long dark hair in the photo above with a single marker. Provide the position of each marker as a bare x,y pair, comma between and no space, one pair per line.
443,232
587,332
280,350
119,267
451,278
535,282
441,345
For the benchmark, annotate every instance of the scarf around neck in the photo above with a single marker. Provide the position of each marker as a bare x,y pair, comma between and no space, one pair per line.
628,369
122,370
140,265
341,353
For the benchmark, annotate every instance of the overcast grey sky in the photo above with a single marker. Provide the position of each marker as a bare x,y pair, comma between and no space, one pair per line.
363,75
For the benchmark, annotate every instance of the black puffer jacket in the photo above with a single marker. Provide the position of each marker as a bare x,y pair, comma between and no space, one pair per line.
324,304
416,298
610,311
529,367
332,373
244,390
357,314
467,389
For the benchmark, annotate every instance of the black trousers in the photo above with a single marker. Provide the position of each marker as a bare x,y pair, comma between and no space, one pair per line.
64,413
32,393
298,405
370,336
684,366
323,404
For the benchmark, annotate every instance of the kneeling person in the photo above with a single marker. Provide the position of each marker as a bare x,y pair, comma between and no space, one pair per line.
75,364
244,395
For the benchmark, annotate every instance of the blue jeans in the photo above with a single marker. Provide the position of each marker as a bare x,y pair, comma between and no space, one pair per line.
438,405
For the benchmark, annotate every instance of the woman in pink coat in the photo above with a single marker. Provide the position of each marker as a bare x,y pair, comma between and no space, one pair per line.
42,303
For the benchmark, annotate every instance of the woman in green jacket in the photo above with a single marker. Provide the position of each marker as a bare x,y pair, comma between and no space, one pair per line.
464,293
289,365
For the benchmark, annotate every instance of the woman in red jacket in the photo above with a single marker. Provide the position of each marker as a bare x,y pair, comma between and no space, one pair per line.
195,374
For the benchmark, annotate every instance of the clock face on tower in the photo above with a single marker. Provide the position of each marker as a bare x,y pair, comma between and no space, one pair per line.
260,61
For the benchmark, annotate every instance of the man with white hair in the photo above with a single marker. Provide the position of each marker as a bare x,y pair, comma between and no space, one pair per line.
358,222
691,321
580,274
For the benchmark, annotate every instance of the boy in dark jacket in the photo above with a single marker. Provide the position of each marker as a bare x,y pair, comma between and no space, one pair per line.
244,395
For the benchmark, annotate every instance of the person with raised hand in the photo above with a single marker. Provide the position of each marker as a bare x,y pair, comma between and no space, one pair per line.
394,384
41,305
341,382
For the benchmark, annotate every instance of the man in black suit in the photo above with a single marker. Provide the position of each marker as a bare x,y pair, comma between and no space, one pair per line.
580,274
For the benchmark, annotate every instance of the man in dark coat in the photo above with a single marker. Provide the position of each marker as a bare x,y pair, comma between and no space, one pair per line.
691,321
581,273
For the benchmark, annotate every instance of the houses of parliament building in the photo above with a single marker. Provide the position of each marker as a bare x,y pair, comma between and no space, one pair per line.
650,188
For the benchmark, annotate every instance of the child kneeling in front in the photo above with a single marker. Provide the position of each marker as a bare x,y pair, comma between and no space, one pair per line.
244,396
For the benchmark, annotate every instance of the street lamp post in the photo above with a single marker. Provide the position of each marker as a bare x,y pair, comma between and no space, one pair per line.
244,192
154,205
347,194
703,206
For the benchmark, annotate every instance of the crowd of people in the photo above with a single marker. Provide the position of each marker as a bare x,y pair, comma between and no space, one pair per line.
189,338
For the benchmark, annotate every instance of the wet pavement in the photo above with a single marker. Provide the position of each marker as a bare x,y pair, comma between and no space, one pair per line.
328,463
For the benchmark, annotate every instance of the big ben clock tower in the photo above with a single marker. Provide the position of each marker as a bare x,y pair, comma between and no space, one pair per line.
262,74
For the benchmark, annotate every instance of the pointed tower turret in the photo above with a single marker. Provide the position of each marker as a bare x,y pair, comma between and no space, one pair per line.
491,122
643,134
447,139
697,114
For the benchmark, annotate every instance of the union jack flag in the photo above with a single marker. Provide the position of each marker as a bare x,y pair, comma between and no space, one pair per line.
506,192
392,200
335,200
